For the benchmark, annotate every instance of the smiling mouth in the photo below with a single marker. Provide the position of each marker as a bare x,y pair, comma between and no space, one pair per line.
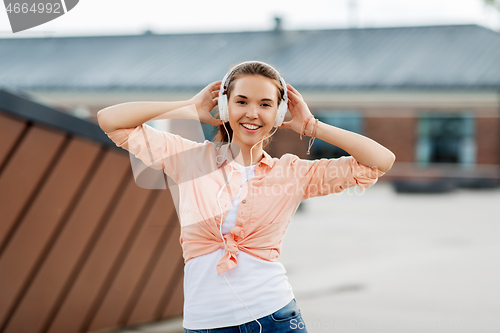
250,130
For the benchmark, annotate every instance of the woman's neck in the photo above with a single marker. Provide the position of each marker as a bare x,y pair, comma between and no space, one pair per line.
243,156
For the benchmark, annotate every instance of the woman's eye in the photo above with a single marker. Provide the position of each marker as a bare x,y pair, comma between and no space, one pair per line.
243,102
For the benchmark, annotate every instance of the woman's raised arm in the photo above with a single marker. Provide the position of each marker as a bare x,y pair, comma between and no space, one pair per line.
364,150
132,114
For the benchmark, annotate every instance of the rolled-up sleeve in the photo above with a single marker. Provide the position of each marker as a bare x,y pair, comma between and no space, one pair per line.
157,149
324,176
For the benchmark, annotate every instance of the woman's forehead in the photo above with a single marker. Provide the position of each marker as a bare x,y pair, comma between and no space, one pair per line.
251,87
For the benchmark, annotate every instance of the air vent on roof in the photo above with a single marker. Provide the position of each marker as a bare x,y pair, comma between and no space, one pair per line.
278,26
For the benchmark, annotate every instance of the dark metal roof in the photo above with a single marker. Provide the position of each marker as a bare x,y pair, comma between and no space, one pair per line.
448,56
20,106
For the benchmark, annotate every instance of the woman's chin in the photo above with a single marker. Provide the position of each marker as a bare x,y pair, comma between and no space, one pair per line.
250,141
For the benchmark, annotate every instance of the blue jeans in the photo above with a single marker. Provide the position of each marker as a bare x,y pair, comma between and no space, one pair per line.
288,319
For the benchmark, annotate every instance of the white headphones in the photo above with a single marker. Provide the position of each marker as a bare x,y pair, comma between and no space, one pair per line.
222,102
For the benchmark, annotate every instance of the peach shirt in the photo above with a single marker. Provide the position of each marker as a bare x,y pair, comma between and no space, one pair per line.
268,201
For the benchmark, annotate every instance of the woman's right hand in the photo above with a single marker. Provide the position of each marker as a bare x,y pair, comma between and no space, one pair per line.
205,101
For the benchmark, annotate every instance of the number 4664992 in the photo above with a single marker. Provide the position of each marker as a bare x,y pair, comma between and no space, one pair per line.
35,8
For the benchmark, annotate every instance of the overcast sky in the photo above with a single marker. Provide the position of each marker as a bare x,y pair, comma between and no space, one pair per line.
110,17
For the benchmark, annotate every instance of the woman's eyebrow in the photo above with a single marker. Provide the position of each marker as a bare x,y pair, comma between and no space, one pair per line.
264,99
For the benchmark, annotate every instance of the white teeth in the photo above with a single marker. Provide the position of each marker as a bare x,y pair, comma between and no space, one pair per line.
252,127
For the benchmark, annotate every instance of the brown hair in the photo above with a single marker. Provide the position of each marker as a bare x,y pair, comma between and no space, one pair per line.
252,68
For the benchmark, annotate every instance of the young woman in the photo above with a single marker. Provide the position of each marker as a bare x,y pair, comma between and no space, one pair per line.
252,209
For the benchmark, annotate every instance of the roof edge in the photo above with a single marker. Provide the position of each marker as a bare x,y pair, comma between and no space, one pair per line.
149,34
18,105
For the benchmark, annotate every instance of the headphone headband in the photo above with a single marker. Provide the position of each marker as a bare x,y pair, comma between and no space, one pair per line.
249,62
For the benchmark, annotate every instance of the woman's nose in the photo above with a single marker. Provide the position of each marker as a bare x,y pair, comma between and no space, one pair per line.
252,111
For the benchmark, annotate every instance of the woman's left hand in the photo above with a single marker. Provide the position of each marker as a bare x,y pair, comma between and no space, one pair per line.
298,109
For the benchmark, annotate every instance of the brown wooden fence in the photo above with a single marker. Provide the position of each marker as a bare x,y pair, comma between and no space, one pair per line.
82,247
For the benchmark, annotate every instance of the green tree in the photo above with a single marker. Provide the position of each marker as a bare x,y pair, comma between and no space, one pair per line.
493,3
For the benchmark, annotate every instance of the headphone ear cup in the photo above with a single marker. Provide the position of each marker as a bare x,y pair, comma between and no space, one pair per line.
222,101
280,115
282,110
223,111
283,107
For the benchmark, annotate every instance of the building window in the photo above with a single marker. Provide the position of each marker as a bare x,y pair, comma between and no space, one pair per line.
209,131
348,120
446,138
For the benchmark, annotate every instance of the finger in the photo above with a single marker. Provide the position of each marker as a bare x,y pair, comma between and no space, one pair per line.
294,90
285,124
295,97
296,93
216,122
214,85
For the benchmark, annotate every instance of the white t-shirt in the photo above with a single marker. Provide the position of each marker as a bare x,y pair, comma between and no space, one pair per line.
209,301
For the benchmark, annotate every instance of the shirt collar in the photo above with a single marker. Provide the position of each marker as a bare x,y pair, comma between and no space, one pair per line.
267,159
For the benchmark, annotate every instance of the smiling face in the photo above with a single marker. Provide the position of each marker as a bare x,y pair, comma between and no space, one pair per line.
253,100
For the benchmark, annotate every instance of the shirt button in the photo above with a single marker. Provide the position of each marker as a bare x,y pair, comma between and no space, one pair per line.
239,224
260,164
244,201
